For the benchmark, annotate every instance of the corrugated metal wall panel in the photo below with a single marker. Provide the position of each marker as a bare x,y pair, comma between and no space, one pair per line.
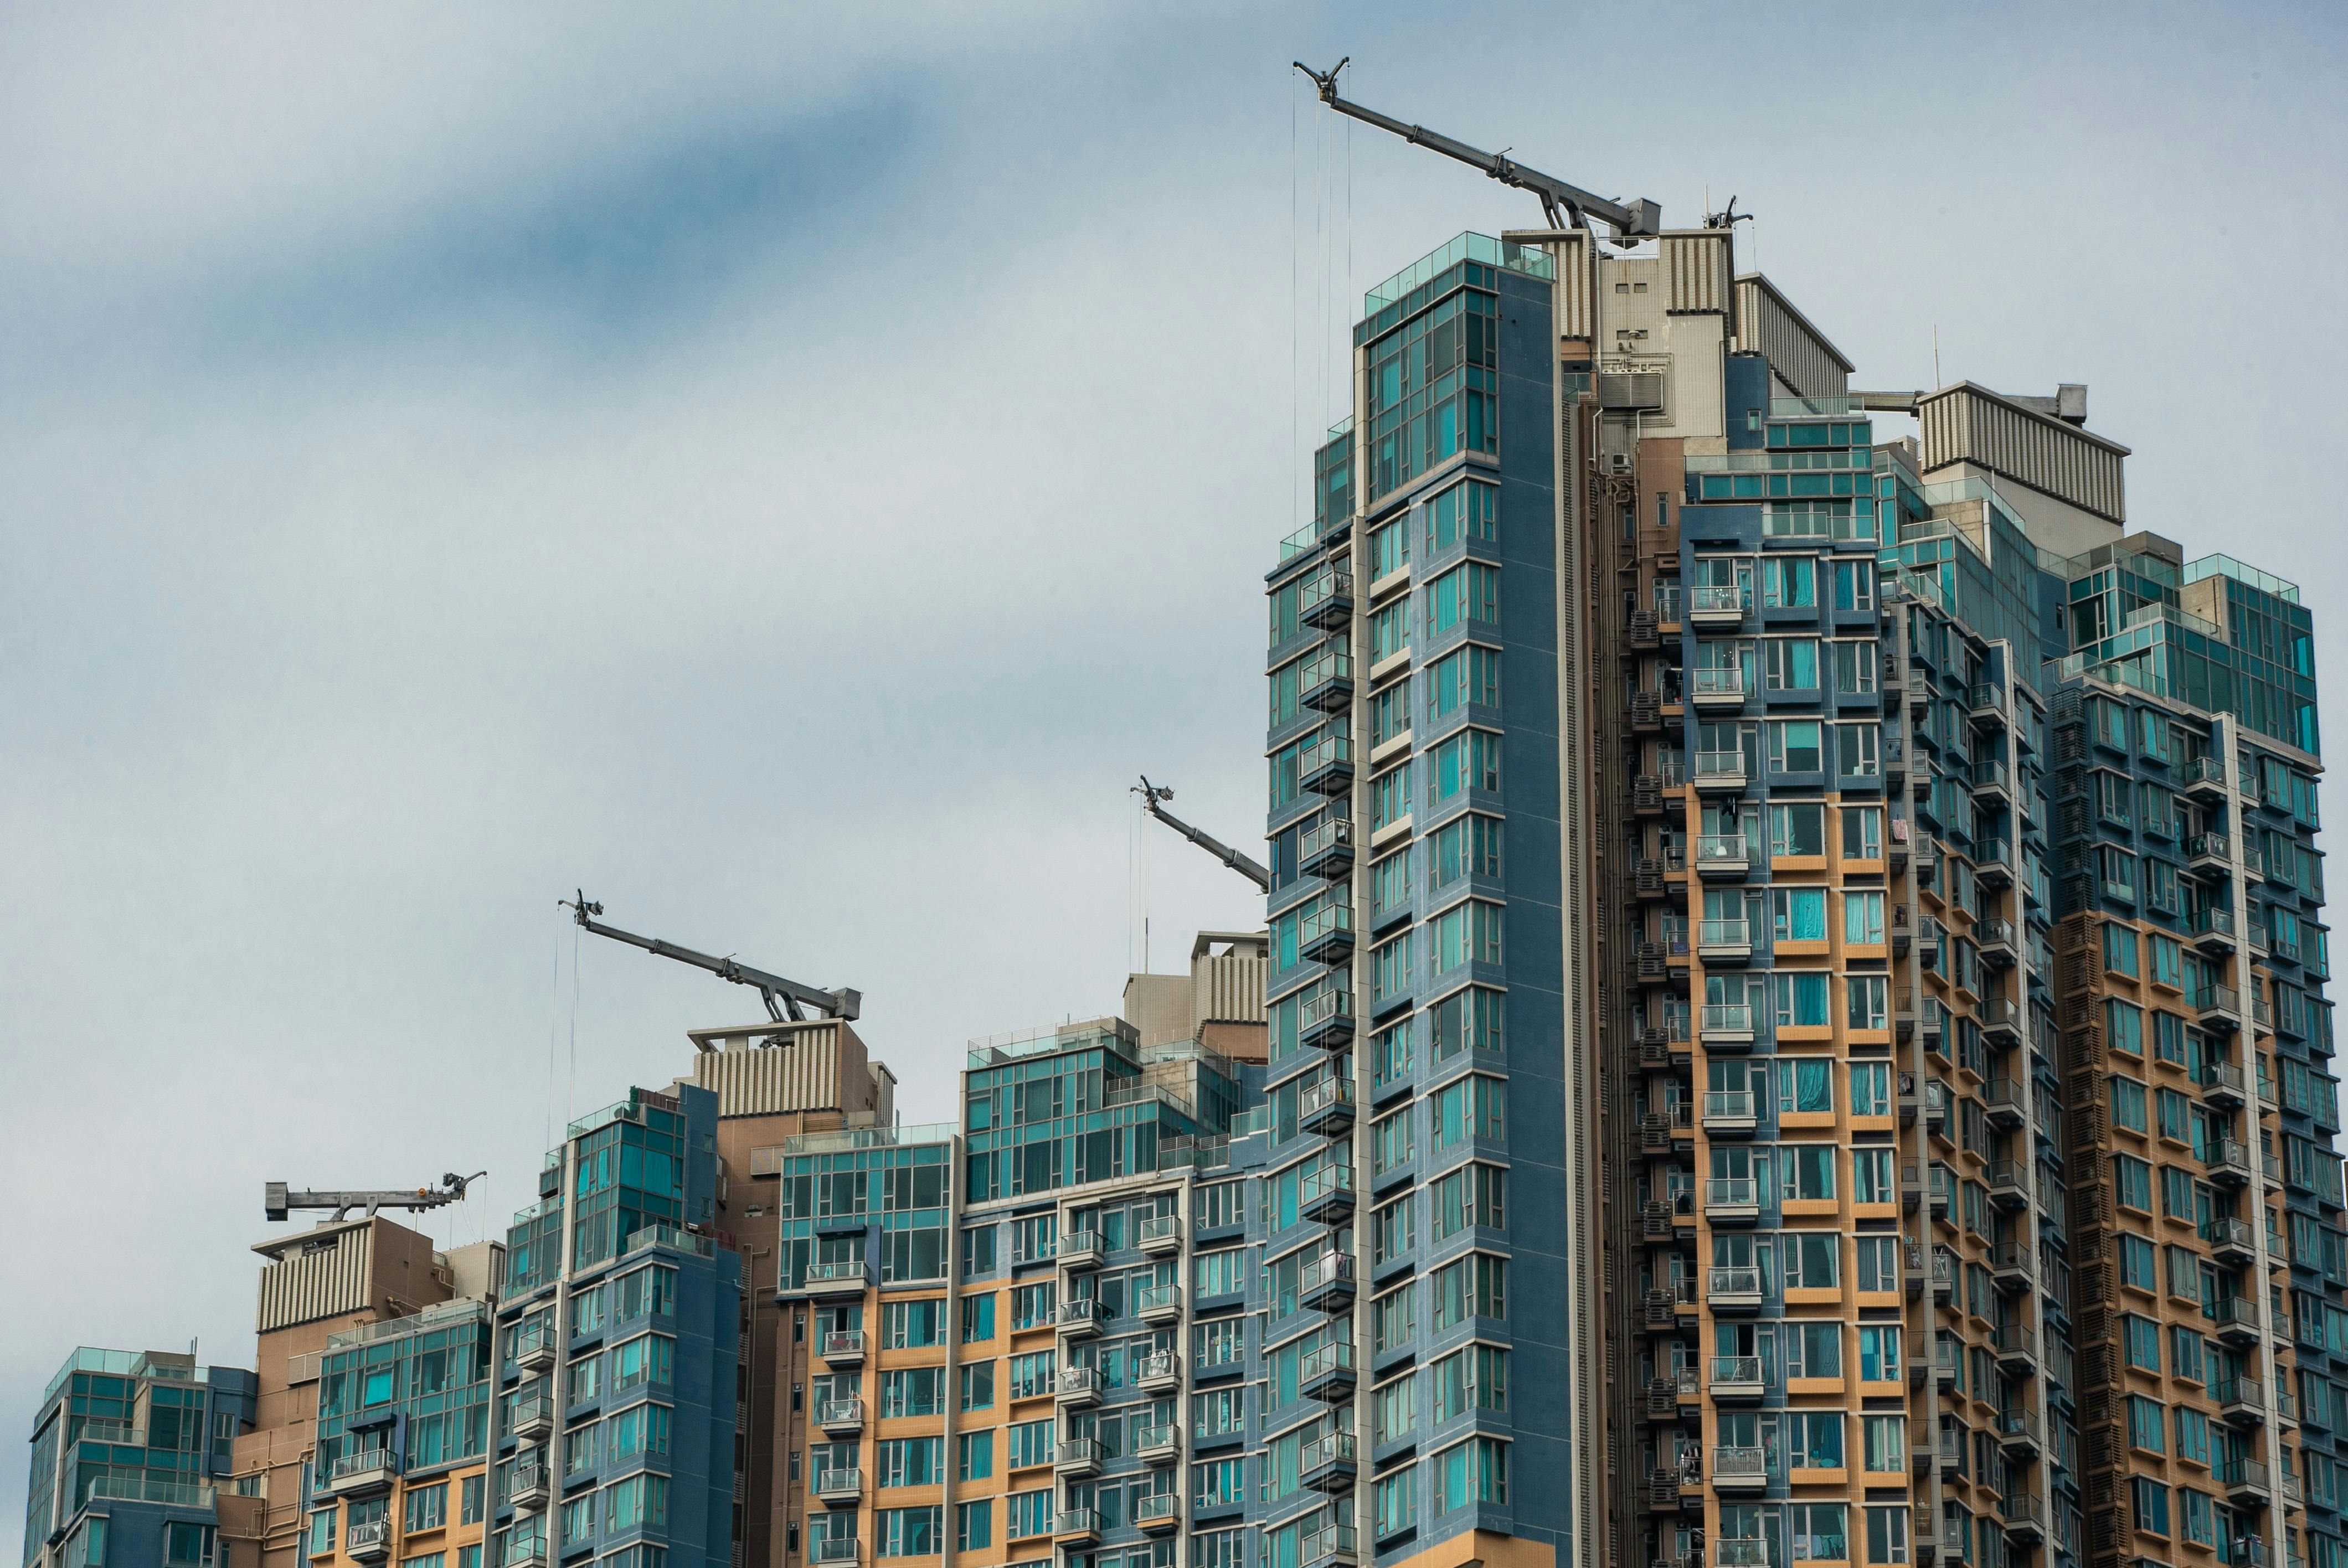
803,1075
1963,425
306,1287
1575,317
1697,268
1802,359
1230,989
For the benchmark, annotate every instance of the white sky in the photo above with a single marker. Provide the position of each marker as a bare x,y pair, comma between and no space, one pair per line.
787,473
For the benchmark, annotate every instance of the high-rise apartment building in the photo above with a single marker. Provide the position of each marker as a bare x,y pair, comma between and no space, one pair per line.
1824,935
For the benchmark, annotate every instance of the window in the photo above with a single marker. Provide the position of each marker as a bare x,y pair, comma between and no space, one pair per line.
1797,914
1799,999
2120,951
1886,1439
2133,1179
643,1359
1858,749
1887,1534
1032,1375
915,1392
2140,1338
1805,1084
1798,829
2192,1435
1862,833
2139,1264
1032,1305
1791,663
1812,1259
977,1319
1463,511
908,1462
1789,582
2151,1497
1390,968
1472,1195
1390,882
1472,675
1217,1273
1469,846
1813,1348
1390,1140
427,1507
1474,1472
1030,1443
1871,1183
1027,1513
1854,668
1394,1229
2128,1105
1394,1319
908,1531
1475,1377
1395,1499
911,1324
186,1544
640,1500
643,1429
1389,629
1871,1089
974,1526
1390,796
1818,1531
471,1499
1795,746
1474,1285
2144,1424
1468,592
1473,1107
2124,1027
2185,1354
1868,996
1862,919
1466,1020
1393,1407
978,1386
1467,761
1879,1353
1465,933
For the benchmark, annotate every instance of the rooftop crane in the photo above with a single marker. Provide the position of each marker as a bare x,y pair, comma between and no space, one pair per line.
278,1202
1566,205
784,998
1153,795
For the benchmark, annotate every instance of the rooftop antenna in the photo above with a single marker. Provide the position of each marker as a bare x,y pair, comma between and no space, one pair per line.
1566,205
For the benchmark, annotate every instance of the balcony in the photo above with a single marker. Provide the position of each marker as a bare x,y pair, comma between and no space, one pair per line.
1081,1318
2242,1401
2237,1317
2017,1348
1726,1026
1328,1463
1326,849
532,1418
528,1488
2228,1162
2223,1086
1717,606
368,1541
843,1347
1158,1513
1162,1304
1331,1546
1326,679
825,1279
366,1473
1730,1111
1724,942
1324,935
1738,1551
2017,1433
1077,1457
1325,1021
2010,1263
1723,856
1733,1287
1731,1200
2210,851
1078,1387
1325,767
1159,1445
534,1346
2000,1023
1999,945
1162,1236
840,1418
2008,1184
2025,1518
1077,1527
1326,1196
1325,1281
2233,1241
2205,777
1079,1249
2246,1481
834,1488
1945,1367
1719,772
1944,1274
1324,1110
2219,1007
829,1549
1325,598
1739,1469
2001,1104
1994,862
1326,1372
1716,688
1737,1378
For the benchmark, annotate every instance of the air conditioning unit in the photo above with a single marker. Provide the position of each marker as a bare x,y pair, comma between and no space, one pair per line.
1618,463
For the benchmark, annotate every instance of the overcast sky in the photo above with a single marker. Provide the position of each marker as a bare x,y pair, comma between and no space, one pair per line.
787,473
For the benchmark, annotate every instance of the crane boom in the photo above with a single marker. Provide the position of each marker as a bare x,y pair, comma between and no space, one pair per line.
1565,204
278,1200
1152,795
783,997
